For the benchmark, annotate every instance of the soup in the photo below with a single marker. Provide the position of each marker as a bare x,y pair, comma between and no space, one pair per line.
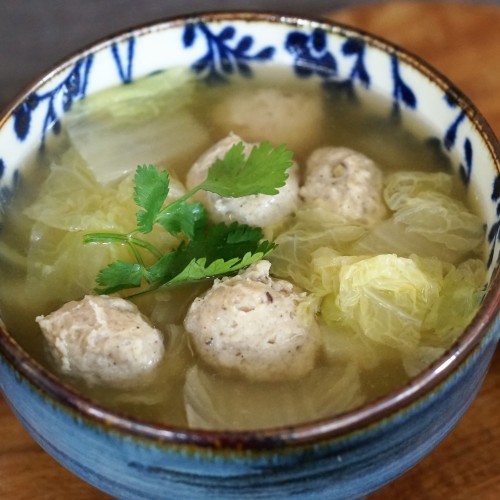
387,291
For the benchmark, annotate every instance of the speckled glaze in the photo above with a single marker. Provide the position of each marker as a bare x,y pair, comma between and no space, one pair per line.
344,457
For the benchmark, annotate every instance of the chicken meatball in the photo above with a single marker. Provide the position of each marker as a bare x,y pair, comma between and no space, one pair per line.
102,339
249,324
349,181
254,210
269,114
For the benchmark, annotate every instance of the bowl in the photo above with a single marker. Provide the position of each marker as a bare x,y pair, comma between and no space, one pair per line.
346,456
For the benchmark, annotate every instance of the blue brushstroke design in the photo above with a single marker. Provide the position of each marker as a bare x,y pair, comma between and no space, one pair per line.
466,170
494,231
312,58
225,54
402,93
124,68
311,54
356,47
450,136
73,87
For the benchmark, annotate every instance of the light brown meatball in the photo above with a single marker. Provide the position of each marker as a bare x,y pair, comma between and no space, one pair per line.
349,181
254,210
250,324
102,339
280,116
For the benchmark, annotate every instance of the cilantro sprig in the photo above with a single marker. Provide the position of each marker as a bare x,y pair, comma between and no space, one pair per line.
205,250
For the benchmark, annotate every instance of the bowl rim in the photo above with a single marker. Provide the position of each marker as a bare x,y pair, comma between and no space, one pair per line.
308,433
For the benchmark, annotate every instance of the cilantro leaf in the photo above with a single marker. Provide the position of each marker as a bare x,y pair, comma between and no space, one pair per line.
174,268
226,241
151,188
204,250
118,276
263,172
187,218
219,242
198,269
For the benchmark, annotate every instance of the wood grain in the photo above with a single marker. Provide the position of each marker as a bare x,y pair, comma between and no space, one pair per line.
463,42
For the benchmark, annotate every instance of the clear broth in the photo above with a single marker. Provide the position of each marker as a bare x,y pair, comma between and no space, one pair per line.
366,127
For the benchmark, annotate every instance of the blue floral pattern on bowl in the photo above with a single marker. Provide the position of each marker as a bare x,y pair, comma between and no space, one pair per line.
226,52
72,87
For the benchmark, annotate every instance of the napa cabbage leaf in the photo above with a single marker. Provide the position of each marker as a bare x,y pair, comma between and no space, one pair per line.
402,185
462,291
426,220
219,403
405,303
70,204
71,199
386,298
343,345
146,121
314,227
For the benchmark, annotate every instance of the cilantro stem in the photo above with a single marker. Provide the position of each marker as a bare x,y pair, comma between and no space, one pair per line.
124,239
179,201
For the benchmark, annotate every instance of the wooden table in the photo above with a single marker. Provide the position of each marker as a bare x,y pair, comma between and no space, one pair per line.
464,43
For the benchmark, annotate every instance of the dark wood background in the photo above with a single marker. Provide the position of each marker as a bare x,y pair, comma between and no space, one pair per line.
462,40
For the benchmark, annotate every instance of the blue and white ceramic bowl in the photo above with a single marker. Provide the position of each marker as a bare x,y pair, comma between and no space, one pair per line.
343,457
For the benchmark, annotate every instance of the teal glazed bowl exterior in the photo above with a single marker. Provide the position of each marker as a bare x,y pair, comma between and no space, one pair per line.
347,456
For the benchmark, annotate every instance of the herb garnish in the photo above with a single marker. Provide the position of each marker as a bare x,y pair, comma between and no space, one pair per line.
207,250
